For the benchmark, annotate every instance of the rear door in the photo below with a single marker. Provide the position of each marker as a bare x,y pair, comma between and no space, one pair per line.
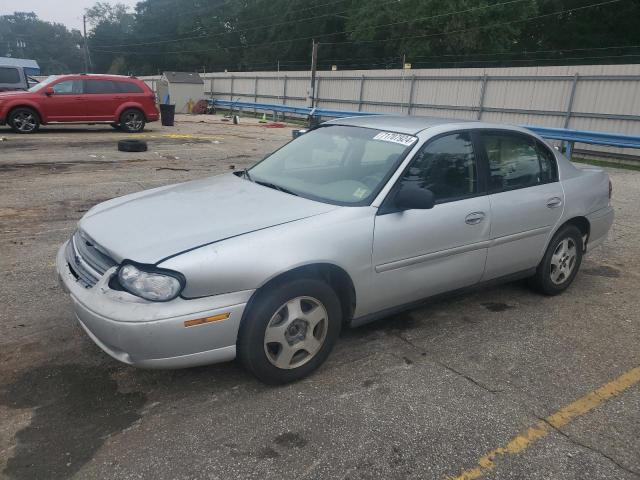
526,198
66,104
102,99
419,253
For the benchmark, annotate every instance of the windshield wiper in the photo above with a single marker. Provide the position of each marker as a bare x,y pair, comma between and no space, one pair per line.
276,187
245,172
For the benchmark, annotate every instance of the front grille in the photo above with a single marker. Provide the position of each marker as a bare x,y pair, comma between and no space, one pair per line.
86,261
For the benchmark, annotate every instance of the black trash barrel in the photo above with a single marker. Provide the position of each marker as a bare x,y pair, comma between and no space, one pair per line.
167,114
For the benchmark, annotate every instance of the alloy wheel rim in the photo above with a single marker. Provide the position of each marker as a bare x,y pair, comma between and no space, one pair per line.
133,121
563,261
24,122
296,332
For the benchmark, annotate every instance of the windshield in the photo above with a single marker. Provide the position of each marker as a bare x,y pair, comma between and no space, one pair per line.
335,164
43,83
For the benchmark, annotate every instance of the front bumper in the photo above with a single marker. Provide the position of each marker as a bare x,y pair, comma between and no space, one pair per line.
152,334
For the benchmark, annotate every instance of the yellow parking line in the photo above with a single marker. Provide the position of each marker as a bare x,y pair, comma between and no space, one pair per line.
559,419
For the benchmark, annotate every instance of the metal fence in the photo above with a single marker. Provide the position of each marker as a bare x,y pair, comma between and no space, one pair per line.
603,98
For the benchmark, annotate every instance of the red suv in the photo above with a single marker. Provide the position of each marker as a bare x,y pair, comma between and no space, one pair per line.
124,102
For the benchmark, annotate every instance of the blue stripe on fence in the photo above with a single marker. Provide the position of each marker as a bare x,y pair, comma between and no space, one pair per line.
563,134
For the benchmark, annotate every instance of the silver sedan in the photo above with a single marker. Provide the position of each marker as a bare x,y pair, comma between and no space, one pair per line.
351,222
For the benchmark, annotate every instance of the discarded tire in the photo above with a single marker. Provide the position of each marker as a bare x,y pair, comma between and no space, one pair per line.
132,146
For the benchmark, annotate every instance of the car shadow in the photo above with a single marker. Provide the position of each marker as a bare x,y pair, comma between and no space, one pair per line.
77,406
80,129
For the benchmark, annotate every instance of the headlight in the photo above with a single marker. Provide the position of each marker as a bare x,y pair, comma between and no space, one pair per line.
151,284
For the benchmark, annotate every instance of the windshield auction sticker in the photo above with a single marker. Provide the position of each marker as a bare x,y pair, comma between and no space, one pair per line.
406,140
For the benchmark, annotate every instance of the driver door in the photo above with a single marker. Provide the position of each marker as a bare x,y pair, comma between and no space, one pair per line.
67,103
420,253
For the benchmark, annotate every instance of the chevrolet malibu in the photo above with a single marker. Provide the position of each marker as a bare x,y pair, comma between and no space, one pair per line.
351,222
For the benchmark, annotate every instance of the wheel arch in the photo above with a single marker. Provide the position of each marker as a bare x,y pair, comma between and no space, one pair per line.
130,106
336,277
582,224
30,106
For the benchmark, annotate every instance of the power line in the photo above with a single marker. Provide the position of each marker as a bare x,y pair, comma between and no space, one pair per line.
480,27
261,19
431,17
451,32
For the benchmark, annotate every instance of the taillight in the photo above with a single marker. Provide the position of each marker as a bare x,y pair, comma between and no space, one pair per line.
610,189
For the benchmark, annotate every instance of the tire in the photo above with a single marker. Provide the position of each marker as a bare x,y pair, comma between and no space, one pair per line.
24,120
132,121
132,146
560,263
310,333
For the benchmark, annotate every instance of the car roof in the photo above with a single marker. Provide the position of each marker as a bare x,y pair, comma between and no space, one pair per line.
98,76
412,125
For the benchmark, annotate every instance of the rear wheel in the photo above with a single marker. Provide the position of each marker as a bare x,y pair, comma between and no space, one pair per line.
24,120
561,262
290,330
132,121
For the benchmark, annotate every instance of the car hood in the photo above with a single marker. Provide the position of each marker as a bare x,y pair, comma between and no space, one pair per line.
150,226
14,93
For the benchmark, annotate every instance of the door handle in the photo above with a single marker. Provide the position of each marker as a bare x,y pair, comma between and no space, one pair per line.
474,218
554,202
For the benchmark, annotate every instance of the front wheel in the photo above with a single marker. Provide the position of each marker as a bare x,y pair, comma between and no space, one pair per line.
24,120
561,262
132,121
289,330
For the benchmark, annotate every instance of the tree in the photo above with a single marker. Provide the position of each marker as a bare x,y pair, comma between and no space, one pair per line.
56,49
261,34
111,24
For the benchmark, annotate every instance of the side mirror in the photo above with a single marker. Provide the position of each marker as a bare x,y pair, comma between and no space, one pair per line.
412,197
49,91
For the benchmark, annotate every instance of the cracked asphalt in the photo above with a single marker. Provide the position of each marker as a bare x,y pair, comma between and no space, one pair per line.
424,394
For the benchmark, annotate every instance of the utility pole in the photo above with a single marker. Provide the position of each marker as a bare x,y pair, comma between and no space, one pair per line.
87,57
314,65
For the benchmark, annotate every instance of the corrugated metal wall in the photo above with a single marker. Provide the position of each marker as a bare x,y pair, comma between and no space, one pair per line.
586,97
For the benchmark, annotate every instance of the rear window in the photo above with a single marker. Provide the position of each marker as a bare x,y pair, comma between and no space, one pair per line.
100,86
9,75
129,87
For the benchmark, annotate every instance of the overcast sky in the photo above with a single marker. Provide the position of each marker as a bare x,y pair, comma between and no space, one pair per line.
68,12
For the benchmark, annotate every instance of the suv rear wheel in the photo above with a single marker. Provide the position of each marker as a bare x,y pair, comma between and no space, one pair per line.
24,120
132,121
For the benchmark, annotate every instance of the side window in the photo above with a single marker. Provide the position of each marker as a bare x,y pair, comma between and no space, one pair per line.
100,86
9,75
548,167
68,87
447,166
513,161
128,87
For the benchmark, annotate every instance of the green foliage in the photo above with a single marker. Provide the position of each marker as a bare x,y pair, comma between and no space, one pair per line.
56,49
264,34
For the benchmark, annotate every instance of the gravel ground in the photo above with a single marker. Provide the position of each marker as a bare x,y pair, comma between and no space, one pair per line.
424,394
